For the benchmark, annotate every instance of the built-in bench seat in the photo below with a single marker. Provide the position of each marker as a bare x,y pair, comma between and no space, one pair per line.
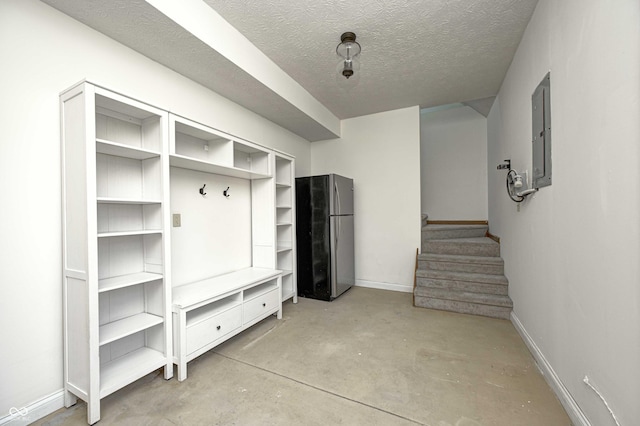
210,311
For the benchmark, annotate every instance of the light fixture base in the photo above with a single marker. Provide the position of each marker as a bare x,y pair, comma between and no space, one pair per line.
348,37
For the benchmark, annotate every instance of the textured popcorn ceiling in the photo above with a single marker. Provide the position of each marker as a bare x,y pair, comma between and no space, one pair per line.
427,53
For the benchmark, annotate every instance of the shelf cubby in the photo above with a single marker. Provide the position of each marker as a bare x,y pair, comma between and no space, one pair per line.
116,215
124,123
195,146
285,260
120,255
119,329
132,365
283,172
283,215
128,178
250,158
284,197
197,142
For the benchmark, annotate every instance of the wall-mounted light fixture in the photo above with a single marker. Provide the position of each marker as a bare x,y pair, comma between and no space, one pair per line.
348,50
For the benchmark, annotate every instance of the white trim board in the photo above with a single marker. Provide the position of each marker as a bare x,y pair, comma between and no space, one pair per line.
385,286
571,407
35,411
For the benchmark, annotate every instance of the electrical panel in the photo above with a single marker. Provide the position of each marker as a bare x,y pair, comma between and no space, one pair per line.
541,138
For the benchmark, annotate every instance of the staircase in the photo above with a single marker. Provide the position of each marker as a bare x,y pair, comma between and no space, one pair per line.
460,270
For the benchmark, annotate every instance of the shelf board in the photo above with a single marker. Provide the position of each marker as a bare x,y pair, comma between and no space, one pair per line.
127,326
121,281
111,200
283,207
283,224
284,246
121,150
128,233
204,166
286,272
127,368
283,185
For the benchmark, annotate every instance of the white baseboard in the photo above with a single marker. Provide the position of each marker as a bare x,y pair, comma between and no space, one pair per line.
385,286
34,411
571,407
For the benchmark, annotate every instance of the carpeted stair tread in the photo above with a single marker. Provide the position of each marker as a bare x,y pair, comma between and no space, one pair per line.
455,226
460,263
477,246
492,311
472,286
470,240
431,232
456,258
465,296
462,276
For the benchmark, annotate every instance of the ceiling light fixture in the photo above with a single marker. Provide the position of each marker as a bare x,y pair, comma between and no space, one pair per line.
348,50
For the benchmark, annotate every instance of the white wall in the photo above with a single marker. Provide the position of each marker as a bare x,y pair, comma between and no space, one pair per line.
44,52
453,164
571,254
381,152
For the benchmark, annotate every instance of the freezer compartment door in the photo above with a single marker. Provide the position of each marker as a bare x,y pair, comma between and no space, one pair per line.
341,195
343,274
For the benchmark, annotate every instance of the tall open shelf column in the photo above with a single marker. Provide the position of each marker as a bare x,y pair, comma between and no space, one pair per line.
117,294
285,224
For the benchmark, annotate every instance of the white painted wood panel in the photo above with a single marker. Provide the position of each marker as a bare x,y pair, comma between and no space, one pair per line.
77,336
215,234
208,331
261,305
74,182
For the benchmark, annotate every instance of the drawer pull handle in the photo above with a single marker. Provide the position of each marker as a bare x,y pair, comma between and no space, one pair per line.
264,304
218,328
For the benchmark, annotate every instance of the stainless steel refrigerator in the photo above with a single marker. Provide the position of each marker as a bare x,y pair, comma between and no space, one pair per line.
324,236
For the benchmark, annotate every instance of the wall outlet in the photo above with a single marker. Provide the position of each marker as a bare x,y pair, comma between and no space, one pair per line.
206,147
177,221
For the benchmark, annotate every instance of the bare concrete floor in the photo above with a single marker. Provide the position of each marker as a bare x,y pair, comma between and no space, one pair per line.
367,358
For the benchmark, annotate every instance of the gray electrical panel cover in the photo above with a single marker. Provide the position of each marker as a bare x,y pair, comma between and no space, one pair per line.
541,138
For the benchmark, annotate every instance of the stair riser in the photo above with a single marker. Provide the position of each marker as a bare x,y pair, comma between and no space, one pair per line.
463,307
475,287
476,268
441,234
451,247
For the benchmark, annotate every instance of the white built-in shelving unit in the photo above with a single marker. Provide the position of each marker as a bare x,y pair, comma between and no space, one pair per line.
123,319
117,318
285,224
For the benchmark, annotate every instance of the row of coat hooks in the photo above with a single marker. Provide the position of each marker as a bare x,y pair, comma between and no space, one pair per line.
225,192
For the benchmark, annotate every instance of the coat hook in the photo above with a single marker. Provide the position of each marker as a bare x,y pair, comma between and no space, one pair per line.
202,190
226,192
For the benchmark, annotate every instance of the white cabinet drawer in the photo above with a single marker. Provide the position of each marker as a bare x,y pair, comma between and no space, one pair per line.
212,329
261,305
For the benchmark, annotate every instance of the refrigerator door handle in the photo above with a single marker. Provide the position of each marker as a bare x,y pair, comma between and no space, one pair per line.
337,234
336,197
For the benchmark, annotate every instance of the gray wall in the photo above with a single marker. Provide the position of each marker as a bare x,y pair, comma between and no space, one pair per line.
571,253
453,164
